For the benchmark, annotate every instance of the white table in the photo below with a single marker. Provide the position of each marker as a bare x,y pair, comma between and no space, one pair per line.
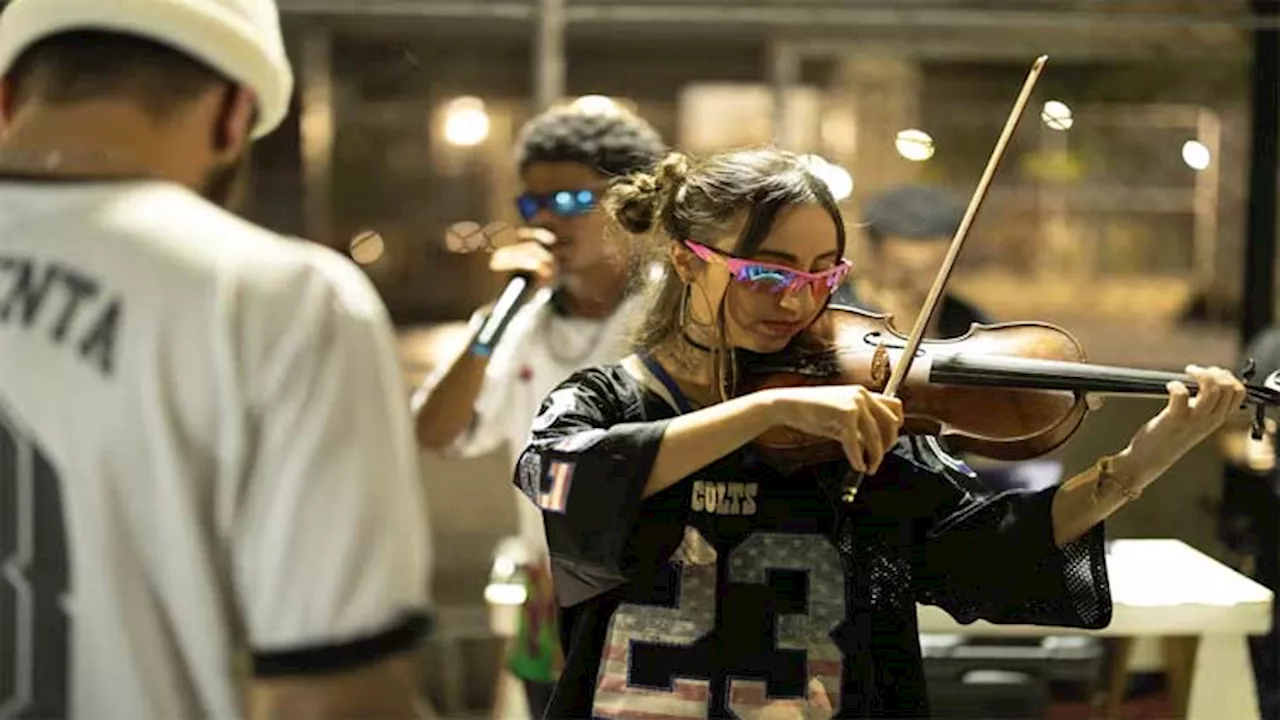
1164,588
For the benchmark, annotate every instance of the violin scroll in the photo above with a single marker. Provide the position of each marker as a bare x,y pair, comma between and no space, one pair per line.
1261,396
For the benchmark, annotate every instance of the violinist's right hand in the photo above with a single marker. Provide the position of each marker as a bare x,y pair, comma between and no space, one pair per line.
529,254
864,422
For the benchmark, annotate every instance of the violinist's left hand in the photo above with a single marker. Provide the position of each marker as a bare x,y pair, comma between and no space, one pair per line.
1184,423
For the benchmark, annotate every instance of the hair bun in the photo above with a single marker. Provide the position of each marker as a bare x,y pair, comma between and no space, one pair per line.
632,201
673,171
636,201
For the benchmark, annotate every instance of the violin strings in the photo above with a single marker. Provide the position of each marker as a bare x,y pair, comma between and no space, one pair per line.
989,371
1050,375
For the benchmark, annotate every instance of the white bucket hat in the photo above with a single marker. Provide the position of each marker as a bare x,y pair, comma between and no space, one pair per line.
239,38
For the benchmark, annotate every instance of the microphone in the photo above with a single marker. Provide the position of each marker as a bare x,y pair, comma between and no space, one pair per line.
512,297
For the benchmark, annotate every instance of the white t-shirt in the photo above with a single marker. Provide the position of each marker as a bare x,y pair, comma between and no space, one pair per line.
539,349
204,450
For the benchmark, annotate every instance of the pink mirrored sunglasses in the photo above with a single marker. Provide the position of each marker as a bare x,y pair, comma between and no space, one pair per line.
767,277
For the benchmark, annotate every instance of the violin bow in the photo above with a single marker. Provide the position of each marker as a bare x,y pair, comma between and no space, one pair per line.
854,479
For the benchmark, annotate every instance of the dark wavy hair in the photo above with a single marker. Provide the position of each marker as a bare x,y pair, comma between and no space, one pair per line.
613,144
686,198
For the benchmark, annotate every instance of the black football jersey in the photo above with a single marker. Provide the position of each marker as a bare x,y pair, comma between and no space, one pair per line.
748,588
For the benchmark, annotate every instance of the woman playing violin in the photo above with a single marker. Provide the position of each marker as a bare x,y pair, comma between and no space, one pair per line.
698,579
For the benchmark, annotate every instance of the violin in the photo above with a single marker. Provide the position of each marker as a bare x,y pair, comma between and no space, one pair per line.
1009,391
1005,391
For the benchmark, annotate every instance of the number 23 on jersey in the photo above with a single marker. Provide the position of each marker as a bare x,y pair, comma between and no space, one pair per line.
657,659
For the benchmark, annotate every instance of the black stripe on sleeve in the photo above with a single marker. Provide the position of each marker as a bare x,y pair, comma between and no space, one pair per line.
404,636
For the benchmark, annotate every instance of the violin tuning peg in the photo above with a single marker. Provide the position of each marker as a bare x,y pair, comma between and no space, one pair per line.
1249,370
1259,421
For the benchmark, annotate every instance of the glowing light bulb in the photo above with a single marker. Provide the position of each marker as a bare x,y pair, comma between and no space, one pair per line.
914,145
596,105
466,123
1056,115
1196,155
838,180
367,247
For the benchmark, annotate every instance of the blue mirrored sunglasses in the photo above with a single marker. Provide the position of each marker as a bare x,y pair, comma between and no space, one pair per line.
565,203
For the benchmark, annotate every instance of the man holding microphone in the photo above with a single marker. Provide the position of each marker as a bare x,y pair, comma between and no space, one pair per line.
566,307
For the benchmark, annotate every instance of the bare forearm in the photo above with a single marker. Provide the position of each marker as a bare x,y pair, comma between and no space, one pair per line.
1082,502
698,439
450,407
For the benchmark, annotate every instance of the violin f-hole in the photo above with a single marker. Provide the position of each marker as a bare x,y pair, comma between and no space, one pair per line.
875,337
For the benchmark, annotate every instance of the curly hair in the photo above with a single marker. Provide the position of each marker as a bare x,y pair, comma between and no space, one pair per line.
614,145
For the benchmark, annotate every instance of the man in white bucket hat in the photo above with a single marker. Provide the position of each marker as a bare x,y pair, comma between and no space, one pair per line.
205,447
